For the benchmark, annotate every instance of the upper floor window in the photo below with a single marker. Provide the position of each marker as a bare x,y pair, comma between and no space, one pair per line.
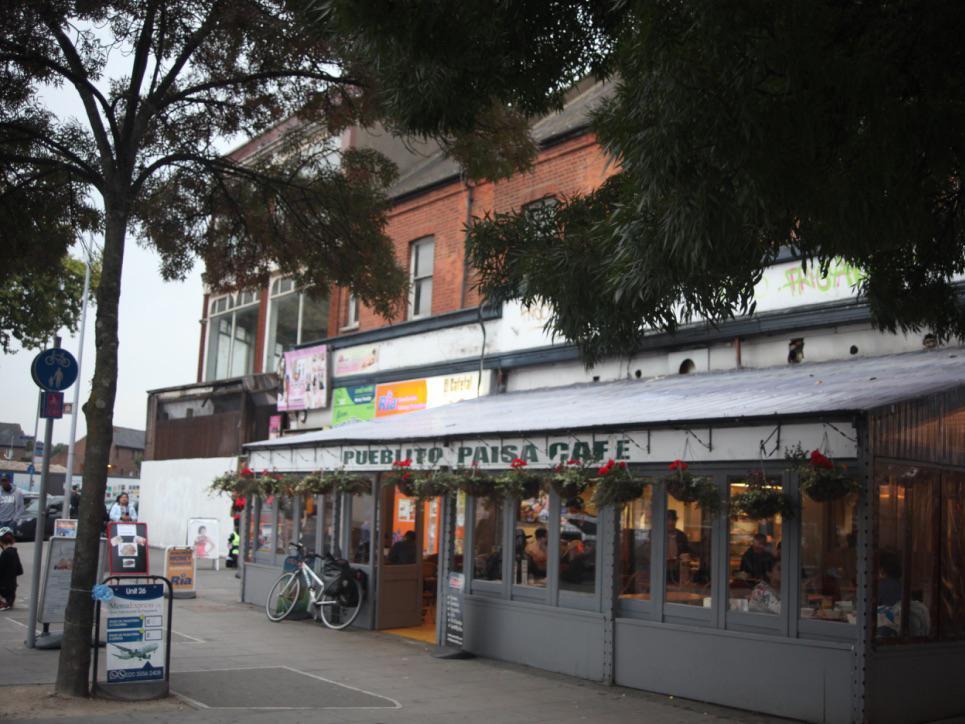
232,328
294,317
541,208
351,312
420,278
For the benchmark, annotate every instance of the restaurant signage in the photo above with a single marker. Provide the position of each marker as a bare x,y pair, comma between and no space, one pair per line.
455,587
304,379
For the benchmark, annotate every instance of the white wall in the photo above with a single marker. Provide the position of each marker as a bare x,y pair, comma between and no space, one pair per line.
174,490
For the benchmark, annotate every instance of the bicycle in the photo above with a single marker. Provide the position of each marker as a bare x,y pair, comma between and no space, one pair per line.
337,594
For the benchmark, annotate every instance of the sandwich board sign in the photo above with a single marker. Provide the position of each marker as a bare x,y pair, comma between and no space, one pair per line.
127,553
135,633
180,568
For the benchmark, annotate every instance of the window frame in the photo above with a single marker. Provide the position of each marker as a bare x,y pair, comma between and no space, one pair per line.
275,293
415,279
234,302
351,312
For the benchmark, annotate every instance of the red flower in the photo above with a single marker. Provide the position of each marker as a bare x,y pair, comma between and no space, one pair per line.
605,470
622,465
820,461
517,463
406,475
678,465
247,472
402,463
573,461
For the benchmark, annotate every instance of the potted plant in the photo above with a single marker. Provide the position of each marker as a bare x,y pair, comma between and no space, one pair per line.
349,483
518,482
239,484
615,485
402,477
823,481
476,482
316,483
762,499
689,488
570,479
433,483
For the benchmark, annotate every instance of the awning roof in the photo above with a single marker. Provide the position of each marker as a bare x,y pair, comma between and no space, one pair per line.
844,386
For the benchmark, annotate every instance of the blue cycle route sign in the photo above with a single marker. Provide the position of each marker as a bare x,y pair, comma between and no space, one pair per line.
54,370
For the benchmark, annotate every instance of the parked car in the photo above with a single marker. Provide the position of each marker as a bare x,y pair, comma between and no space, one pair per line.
26,528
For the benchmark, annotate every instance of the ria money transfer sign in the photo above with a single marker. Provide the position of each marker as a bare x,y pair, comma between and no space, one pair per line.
135,633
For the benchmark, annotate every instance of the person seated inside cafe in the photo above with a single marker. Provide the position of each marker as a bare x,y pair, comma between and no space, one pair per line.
678,547
403,551
766,595
757,561
536,552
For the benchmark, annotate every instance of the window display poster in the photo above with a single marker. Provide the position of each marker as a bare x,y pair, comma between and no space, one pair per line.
204,537
127,553
65,528
180,568
353,404
304,379
135,633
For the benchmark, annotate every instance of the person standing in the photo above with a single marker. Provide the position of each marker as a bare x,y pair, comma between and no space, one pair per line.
123,511
11,502
10,569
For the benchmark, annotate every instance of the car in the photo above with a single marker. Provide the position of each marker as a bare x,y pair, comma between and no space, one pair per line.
26,527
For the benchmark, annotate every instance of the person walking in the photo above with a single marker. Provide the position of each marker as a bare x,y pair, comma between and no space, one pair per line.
10,569
123,511
11,502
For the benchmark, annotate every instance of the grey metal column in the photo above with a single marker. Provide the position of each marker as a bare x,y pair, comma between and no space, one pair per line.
861,684
607,536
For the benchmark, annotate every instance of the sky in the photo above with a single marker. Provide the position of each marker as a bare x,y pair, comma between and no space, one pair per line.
159,327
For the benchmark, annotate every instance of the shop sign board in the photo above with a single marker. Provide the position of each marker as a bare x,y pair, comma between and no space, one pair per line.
59,569
127,551
180,568
304,379
353,404
356,361
540,451
455,588
398,398
135,633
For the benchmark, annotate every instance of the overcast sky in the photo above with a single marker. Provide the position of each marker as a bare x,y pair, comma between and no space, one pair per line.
158,332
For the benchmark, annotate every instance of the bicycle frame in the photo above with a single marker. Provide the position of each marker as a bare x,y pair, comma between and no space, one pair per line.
310,578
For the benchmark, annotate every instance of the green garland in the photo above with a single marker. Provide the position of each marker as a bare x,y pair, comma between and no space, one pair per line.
433,483
820,478
518,483
241,483
762,500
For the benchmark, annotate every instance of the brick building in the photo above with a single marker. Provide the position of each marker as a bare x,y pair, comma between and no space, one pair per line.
127,453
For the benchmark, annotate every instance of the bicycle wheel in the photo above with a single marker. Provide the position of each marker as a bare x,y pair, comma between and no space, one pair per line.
283,597
339,608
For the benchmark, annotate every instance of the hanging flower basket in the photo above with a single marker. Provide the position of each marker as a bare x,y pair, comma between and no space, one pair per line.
402,477
316,483
571,479
350,483
823,481
615,485
762,500
239,484
271,483
433,483
689,488
518,482
476,482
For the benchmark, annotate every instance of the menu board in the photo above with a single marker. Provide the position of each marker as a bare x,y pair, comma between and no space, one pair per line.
127,549
455,587
135,633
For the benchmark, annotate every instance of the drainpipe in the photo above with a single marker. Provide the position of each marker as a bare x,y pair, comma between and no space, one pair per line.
737,351
465,265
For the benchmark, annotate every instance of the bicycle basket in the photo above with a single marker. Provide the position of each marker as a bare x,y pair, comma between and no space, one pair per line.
333,567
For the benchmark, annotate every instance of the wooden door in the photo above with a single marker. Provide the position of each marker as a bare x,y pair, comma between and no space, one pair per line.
400,562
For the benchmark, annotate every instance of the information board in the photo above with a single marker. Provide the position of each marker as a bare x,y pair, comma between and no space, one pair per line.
135,633
60,567
455,587
65,528
127,553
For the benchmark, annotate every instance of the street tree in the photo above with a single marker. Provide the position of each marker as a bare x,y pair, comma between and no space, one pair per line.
161,84
736,129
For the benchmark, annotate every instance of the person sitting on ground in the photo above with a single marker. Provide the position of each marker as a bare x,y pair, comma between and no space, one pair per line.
403,551
10,568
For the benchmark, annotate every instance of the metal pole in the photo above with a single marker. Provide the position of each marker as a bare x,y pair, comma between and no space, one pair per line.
34,441
41,529
75,410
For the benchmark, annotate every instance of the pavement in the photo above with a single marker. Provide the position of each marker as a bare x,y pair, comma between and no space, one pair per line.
231,664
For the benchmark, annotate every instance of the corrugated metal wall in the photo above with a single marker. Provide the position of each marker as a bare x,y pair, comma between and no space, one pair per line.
928,429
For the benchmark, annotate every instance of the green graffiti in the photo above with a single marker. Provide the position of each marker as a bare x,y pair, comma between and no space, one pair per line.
840,273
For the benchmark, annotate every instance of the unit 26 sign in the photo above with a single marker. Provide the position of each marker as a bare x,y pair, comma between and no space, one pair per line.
135,634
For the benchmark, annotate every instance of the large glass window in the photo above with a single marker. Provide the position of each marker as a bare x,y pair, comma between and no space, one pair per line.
400,546
295,317
952,611
908,552
636,527
829,569
487,539
266,525
459,541
578,543
308,526
328,526
754,559
688,552
286,525
360,530
420,278
531,541
232,328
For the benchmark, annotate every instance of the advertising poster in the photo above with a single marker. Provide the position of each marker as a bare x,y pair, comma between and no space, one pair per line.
455,585
398,398
353,404
65,528
127,553
60,567
356,361
274,427
135,633
204,538
180,568
304,379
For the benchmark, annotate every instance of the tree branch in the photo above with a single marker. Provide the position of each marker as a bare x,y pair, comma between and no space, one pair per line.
30,134
141,52
46,161
255,77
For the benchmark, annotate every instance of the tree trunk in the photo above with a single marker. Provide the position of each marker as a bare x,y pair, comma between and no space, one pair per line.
73,672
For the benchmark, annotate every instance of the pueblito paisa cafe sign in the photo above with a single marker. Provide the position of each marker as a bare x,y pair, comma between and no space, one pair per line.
694,444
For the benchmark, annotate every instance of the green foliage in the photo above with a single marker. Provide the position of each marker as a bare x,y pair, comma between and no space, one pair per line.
834,129
762,499
689,488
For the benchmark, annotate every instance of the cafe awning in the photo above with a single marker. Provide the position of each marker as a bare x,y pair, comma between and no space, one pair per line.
827,389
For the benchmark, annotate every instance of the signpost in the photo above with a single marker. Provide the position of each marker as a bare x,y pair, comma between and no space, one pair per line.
180,567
